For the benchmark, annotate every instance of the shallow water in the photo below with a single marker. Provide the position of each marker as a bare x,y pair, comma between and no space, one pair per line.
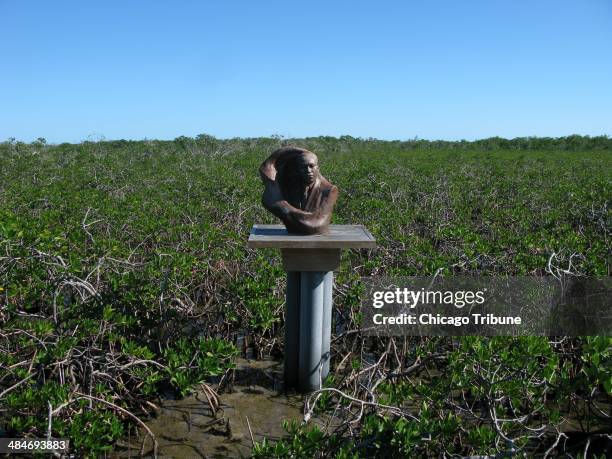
187,428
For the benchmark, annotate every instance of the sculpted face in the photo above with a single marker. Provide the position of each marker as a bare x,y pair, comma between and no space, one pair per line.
308,168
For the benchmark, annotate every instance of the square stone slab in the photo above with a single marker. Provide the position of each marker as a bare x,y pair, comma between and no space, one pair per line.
339,237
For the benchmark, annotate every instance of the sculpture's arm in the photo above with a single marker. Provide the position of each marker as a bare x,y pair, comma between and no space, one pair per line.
310,222
274,201
267,170
306,222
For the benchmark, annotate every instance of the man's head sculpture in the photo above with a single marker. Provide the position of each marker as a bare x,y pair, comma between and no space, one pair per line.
296,192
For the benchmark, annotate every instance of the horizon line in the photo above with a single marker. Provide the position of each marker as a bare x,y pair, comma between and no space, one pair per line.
102,138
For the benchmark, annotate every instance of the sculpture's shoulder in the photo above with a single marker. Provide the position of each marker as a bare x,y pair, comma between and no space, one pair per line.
332,190
329,192
327,187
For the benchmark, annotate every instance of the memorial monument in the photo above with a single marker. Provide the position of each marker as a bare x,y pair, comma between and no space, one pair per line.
297,193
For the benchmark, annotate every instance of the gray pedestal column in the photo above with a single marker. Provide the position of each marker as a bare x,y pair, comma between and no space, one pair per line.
312,289
292,328
308,317
328,303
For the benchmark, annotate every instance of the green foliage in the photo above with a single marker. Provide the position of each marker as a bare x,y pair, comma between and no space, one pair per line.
190,362
135,252
489,390
259,296
597,358
304,443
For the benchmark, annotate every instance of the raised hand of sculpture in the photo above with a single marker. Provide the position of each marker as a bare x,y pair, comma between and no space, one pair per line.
296,192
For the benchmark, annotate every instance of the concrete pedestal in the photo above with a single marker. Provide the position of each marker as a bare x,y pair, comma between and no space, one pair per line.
309,261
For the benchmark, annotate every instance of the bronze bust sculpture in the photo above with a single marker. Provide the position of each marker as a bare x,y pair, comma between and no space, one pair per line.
296,192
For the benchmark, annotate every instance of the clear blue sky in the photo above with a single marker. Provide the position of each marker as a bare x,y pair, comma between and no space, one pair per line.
449,69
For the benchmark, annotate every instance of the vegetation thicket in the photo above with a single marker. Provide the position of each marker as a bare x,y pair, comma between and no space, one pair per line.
124,273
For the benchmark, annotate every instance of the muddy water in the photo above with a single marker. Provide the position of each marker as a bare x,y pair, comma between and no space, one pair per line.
188,428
